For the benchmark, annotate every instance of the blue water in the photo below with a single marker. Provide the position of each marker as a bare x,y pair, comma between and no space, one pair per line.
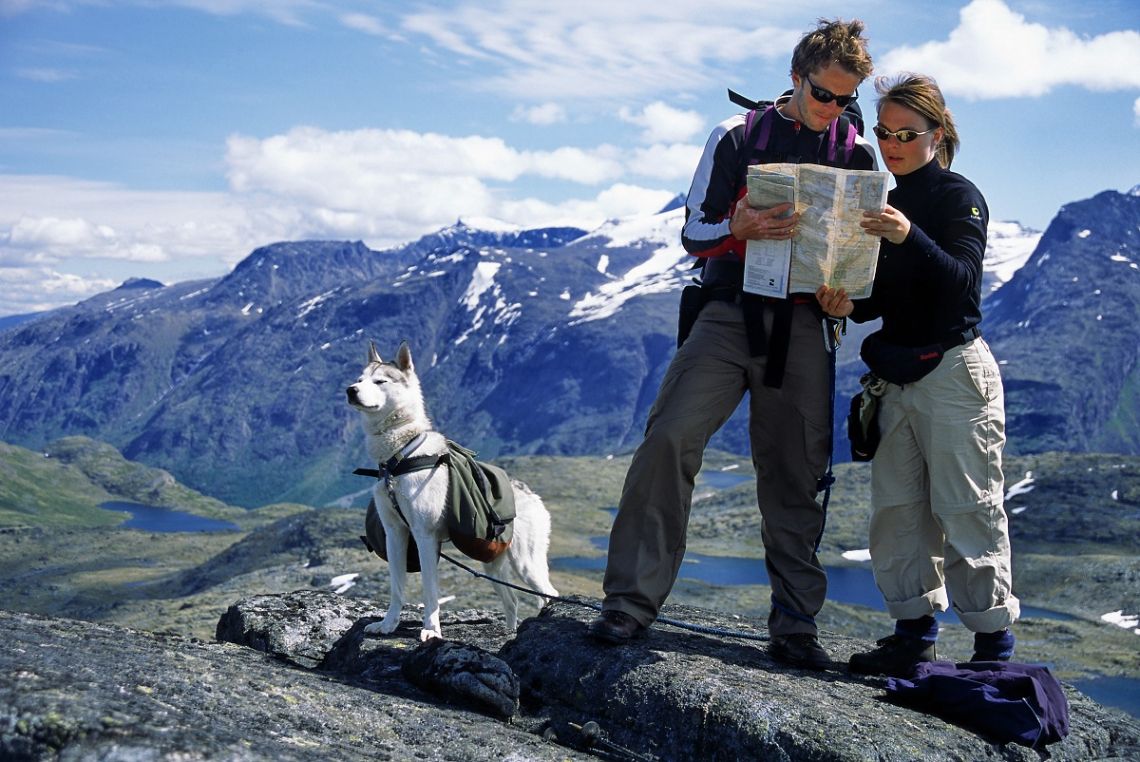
856,585
1120,692
845,584
725,479
151,518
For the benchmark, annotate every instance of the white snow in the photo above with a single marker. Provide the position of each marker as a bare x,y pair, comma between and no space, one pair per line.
655,275
482,279
858,555
343,582
1021,487
311,304
662,228
1008,248
1120,619
490,224
500,312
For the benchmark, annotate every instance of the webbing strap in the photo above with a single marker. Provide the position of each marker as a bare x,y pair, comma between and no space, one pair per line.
831,339
765,127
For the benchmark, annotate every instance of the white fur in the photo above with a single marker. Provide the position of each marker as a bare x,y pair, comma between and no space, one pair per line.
391,405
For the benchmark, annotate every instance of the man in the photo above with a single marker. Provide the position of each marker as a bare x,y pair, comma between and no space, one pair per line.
771,348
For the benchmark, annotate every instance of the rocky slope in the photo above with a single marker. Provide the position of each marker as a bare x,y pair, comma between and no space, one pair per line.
305,683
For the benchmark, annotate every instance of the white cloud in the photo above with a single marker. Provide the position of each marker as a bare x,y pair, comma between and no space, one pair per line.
33,289
1136,113
395,183
288,12
601,50
661,123
995,53
661,162
542,114
362,22
109,222
616,201
46,75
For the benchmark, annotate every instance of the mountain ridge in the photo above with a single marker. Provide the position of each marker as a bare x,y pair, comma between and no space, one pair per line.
528,341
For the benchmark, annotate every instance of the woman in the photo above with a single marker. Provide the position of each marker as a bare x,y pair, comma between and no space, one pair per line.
938,527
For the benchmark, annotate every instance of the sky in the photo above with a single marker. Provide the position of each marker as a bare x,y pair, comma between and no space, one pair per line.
168,139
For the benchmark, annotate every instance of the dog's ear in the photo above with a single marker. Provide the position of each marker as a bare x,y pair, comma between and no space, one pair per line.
404,358
373,355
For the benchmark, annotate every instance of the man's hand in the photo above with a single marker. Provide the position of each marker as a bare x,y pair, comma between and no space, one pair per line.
750,224
834,302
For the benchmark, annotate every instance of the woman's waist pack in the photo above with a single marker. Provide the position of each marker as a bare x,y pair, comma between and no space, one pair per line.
905,365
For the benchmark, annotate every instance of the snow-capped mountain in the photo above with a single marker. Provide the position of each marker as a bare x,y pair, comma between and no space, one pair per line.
549,341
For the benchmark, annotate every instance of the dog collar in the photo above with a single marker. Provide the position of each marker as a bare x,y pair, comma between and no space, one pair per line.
402,462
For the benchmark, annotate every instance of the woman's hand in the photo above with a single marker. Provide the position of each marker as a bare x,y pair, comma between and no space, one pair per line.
889,223
834,302
750,224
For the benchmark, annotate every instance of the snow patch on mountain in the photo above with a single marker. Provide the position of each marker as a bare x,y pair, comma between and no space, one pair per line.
664,229
661,271
1009,247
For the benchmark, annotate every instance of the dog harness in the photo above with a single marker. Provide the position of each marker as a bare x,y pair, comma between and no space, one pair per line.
480,506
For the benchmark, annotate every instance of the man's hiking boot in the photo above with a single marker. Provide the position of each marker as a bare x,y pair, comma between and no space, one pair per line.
616,627
896,656
801,649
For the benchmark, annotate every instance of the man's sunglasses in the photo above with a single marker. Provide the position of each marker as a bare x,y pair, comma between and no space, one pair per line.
826,96
903,136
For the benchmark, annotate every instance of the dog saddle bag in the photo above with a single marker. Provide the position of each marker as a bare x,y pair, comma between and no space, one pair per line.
480,507
376,539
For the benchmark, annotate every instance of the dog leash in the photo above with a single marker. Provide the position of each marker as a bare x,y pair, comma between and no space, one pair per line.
397,465
700,628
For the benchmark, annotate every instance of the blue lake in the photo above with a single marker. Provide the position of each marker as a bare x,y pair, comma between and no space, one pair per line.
845,584
152,518
856,585
853,585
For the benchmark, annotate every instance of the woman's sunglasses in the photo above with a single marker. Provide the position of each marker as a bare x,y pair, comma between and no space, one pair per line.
826,96
903,136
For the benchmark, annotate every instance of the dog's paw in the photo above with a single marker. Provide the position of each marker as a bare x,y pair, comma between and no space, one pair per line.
426,635
383,627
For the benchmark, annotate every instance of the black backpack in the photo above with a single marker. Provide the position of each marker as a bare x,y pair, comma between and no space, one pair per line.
841,136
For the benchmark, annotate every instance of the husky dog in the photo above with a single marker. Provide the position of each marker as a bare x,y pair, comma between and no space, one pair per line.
391,403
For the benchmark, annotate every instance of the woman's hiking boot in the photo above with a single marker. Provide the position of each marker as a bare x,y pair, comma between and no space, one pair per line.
896,656
993,646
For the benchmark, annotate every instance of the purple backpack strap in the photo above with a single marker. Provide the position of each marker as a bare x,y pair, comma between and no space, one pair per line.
852,134
848,140
765,128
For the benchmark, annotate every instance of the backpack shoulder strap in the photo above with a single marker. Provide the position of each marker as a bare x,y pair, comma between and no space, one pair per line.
758,117
850,134
849,143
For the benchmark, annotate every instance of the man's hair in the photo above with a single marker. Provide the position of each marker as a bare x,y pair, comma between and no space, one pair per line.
921,94
833,42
